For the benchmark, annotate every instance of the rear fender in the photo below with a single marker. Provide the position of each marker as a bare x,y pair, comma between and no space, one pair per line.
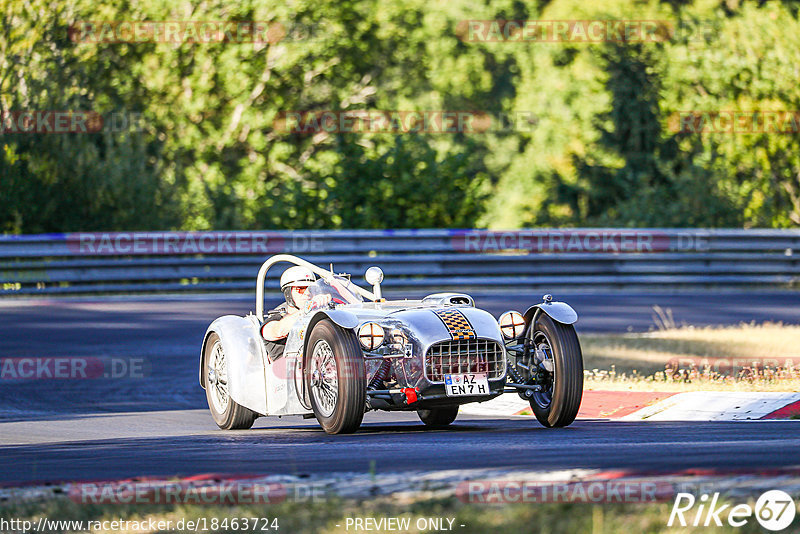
245,358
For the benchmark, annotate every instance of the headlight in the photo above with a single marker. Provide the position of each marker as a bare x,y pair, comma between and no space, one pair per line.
512,324
370,335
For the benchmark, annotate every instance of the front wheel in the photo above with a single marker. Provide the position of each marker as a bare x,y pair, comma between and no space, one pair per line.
558,366
438,417
335,378
226,412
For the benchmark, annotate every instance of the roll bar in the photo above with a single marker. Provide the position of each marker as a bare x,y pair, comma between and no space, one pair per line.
262,275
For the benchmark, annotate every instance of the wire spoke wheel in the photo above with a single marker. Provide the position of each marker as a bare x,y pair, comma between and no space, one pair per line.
227,413
545,378
324,378
218,378
335,378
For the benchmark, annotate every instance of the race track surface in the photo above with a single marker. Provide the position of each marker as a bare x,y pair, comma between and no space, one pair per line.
156,422
187,442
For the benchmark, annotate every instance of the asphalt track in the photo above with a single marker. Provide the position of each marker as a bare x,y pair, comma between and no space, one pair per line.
156,422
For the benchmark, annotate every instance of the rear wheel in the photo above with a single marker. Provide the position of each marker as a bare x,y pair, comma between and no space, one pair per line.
438,417
559,370
226,412
335,378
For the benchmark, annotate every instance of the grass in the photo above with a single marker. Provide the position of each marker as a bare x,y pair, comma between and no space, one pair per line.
324,516
746,357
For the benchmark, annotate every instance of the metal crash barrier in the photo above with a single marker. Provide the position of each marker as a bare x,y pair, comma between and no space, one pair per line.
141,262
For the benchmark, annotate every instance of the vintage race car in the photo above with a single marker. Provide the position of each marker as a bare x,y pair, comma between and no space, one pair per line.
361,352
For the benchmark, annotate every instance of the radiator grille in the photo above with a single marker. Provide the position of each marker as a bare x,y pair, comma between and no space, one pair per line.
464,356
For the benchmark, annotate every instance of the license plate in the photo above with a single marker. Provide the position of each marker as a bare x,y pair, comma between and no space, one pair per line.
466,384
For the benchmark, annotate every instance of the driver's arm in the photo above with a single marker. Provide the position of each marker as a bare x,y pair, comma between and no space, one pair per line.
279,329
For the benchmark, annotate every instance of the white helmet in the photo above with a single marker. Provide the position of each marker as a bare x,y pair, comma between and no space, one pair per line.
295,277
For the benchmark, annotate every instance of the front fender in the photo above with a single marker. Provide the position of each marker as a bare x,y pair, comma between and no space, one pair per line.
343,318
245,359
558,311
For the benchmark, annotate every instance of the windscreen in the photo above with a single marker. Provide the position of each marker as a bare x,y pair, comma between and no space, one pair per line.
341,290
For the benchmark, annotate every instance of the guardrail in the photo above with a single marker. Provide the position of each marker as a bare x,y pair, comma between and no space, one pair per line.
85,263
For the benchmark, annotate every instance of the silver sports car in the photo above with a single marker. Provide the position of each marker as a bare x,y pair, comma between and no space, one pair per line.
361,352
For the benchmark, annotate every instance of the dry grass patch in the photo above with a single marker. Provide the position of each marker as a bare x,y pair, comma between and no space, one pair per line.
763,357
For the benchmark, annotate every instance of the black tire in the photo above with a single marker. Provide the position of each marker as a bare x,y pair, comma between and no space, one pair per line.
342,413
438,417
233,416
566,383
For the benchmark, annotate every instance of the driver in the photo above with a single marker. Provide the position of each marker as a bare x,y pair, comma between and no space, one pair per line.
294,284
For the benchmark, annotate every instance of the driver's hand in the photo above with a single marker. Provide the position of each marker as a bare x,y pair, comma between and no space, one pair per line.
318,301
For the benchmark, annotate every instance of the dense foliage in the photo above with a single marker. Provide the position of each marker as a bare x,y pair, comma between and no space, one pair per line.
602,149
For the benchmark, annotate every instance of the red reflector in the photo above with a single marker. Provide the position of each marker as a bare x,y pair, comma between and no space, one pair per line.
411,395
